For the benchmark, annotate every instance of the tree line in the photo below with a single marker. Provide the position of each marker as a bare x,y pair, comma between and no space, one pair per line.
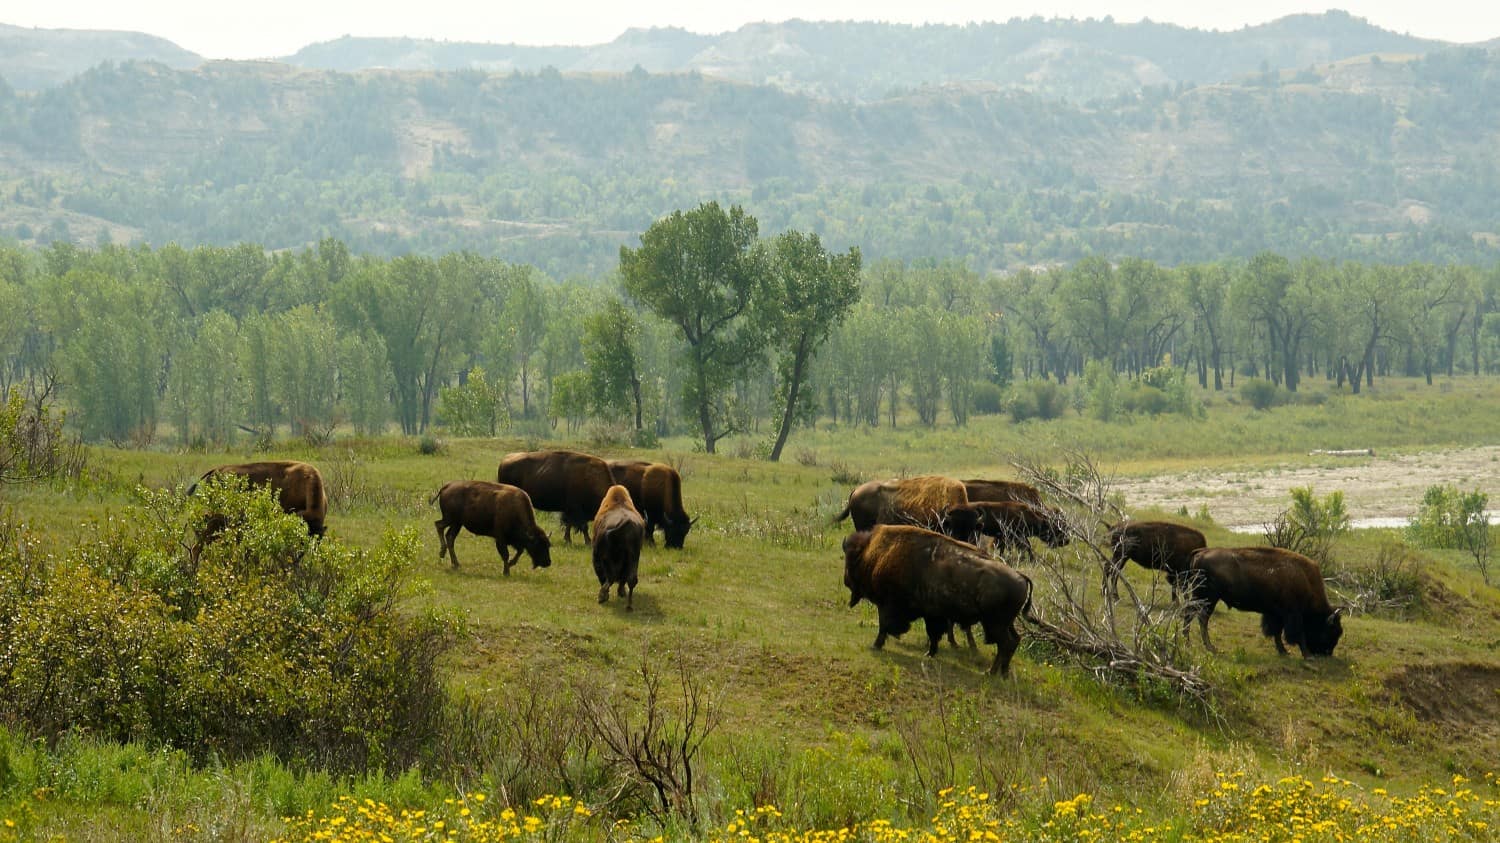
706,327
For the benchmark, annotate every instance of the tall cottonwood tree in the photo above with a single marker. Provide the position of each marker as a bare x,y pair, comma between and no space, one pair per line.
702,270
612,356
811,292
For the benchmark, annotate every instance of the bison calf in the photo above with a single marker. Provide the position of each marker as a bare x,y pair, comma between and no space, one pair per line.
1286,588
1157,545
911,573
490,509
619,532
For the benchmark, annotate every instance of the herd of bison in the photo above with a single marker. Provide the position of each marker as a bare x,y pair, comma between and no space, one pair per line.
941,576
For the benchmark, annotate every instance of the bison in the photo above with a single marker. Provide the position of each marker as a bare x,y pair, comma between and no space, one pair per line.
299,488
1285,587
619,532
1011,524
911,573
656,489
913,500
490,509
1001,491
566,482
1158,545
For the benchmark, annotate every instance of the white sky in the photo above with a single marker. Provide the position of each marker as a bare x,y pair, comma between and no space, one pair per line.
264,28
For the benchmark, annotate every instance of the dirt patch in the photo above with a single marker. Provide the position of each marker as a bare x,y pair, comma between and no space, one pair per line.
1459,695
1383,486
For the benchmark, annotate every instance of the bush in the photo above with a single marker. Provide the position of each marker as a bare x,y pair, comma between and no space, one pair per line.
1451,519
988,398
1037,399
264,640
1310,526
1260,394
32,443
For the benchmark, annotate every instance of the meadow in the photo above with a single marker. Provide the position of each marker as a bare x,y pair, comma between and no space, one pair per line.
797,711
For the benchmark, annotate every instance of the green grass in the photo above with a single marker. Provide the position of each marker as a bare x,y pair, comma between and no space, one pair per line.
812,718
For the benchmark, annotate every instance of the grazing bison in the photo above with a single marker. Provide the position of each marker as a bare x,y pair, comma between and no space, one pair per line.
1158,545
911,573
1002,490
299,489
619,532
1011,524
913,500
566,482
656,489
1286,588
490,509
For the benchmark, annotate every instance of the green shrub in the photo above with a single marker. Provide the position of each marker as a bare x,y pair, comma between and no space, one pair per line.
1260,394
262,640
988,398
1037,399
1451,519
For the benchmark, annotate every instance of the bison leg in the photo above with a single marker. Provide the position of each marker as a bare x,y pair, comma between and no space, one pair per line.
880,639
1292,626
952,642
969,634
630,598
935,629
442,542
1006,641
505,556
448,539
1203,628
604,593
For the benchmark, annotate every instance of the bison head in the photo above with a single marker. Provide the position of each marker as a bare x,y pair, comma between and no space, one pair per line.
854,552
1323,634
675,530
1054,527
540,550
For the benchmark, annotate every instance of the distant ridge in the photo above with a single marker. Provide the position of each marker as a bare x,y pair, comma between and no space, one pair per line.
32,59
1076,59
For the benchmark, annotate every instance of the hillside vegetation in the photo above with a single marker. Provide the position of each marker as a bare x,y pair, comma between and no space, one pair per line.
1379,159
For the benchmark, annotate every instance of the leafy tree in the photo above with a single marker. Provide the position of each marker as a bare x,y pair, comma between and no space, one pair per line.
1450,518
204,386
701,271
473,408
811,292
610,352
365,381
304,362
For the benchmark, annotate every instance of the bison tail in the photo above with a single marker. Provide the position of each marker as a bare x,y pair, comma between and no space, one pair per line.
1026,607
842,515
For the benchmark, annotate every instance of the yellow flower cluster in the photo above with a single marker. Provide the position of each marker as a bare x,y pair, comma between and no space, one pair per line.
465,819
1292,809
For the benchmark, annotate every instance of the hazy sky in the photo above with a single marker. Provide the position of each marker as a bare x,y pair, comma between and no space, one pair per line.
262,28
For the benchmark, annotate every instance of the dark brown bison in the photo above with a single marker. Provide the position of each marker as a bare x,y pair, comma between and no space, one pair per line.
1012,524
619,532
299,488
490,509
1286,588
1002,490
922,501
1158,545
566,482
656,489
910,573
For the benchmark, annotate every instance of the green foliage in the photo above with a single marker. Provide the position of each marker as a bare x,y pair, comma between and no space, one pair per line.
1037,399
261,640
33,445
474,408
611,339
988,398
1310,526
1260,394
1103,390
570,399
1453,519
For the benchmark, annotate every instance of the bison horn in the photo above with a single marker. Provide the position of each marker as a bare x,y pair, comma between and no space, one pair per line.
693,521
1336,613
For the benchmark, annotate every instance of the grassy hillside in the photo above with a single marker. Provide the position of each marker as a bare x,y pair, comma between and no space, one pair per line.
812,719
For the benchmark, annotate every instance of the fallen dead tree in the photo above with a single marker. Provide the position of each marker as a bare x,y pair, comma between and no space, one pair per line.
1071,612
1354,452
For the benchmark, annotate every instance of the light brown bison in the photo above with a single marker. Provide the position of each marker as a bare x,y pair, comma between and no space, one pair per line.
619,532
656,489
490,509
922,501
1012,524
1002,490
299,488
1157,545
1285,587
566,482
910,573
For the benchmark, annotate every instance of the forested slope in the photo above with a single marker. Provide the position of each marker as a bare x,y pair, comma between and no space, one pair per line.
1372,159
